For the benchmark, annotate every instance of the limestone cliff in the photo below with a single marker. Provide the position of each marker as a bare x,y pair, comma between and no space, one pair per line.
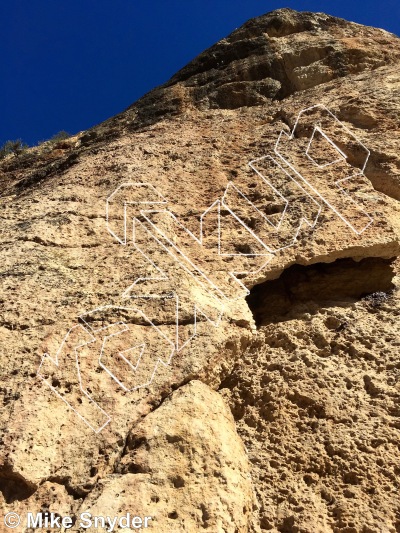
207,342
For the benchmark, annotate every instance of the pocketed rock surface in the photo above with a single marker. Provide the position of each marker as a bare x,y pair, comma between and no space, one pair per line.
241,376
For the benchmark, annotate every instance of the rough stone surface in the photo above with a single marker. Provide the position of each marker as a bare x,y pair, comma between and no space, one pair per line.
307,362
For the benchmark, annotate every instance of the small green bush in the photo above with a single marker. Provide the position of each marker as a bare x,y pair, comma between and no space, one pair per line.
12,147
60,136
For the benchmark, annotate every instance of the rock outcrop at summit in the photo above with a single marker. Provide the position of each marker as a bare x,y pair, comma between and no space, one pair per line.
271,58
269,400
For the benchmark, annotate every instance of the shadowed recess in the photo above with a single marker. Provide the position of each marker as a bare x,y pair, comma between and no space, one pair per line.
15,488
299,288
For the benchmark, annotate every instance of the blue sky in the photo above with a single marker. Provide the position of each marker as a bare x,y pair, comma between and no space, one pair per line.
69,64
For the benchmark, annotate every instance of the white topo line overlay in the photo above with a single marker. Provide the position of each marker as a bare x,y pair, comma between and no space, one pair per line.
145,224
351,143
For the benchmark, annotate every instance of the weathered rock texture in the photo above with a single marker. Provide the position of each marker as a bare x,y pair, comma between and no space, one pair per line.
283,416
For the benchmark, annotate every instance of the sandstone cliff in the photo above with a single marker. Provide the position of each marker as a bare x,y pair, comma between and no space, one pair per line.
269,292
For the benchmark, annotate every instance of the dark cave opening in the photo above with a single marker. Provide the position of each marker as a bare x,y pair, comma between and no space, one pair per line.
301,289
15,488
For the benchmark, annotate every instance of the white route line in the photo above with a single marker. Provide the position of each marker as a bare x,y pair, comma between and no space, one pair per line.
150,205
338,183
55,361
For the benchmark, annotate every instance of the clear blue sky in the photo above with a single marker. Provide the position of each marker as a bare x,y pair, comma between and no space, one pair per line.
69,64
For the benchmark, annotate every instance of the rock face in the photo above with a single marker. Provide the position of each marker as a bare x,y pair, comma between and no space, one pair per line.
209,343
